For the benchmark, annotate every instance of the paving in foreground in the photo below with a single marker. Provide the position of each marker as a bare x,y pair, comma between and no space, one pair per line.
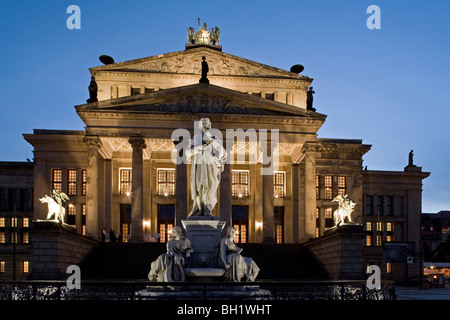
405,293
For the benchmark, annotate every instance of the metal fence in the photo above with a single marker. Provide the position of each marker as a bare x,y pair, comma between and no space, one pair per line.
145,290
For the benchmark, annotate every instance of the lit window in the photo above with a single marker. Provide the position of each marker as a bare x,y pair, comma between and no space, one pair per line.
13,222
388,267
2,266
328,187
388,226
328,213
125,231
2,237
368,240
278,184
241,233
342,185
83,182
239,183
317,213
2,222
57,180
25,266
13,237
379,226
317,187
368,226
317,232
166,182
71,215
25,237
165,230
279,233
389,238
71,182
26,222
125,181
379,241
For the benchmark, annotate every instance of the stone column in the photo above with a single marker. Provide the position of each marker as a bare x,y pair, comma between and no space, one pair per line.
310,194
137,190
92,227
295,203
225,195
181,205
268,209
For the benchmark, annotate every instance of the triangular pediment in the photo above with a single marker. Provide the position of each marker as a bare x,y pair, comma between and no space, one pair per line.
198,98
189,62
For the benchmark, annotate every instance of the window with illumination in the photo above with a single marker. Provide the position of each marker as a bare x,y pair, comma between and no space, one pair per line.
317,187
71,215
25,266
342,185
328,213
369,240
2,237
328,185
13,222
83,182
239,183
368,226
317,213
389,226
2,266
279,184
125,181
389,238
388,267
2,222
25,237
26,222
379,240
166,182
379,226
13,237
83,219
57,180
71,182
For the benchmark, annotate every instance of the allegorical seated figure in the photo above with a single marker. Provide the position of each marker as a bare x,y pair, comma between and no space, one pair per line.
169,266
237,267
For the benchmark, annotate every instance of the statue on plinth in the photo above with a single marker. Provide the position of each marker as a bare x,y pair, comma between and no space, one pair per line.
237,267
345,209
169,266
203,35
309,99
55,205
93,88
208,160
205,69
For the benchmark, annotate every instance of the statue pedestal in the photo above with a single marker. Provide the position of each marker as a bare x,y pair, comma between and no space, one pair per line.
204,234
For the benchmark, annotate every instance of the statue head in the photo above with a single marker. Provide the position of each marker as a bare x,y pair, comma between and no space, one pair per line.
204,124
231,231
176,232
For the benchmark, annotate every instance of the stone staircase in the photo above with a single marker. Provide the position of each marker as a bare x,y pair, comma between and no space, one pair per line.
131,261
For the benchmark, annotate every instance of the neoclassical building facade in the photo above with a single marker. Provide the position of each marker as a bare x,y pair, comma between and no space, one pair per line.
120,175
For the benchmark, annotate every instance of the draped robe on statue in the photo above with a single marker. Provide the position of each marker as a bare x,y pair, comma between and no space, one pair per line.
208,160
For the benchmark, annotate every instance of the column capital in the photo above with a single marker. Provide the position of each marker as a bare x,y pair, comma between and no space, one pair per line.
137,142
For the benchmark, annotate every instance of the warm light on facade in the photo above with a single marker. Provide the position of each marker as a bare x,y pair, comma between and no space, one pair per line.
258,225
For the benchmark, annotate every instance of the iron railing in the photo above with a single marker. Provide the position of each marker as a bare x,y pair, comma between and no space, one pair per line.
145,290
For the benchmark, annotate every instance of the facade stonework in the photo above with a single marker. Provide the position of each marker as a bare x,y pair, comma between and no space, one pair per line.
126,179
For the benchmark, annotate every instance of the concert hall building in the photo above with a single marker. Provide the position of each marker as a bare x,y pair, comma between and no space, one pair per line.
119,174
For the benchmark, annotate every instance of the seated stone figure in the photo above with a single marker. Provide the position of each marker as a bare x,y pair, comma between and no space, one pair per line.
169,266
237,267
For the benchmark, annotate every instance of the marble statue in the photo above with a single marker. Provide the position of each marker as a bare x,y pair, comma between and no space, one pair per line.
169,266
237,267
55,205
208,160
345,209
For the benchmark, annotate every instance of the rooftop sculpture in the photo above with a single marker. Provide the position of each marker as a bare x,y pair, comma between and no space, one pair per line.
203,35
344,211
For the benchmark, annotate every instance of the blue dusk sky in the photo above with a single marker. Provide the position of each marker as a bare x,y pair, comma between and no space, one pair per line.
389,87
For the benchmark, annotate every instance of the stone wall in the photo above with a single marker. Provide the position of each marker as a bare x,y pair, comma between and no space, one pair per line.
340,251
55,247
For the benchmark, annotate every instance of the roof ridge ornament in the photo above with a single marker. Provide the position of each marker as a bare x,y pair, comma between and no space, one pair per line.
203,37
